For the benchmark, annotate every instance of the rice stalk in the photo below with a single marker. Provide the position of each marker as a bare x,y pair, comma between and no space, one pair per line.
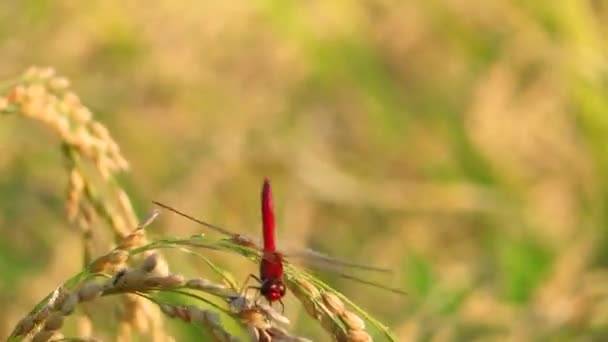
42,95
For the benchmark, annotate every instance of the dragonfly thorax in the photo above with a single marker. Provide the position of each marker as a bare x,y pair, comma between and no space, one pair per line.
271,274
273,289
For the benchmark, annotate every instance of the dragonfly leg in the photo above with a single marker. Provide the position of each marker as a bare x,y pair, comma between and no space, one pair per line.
257,293
249,277
245,288
282,307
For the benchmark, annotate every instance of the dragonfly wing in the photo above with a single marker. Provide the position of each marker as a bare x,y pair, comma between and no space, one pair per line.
338,270
199,221
313,257
374,284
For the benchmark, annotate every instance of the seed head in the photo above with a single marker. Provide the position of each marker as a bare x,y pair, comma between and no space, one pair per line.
69,304
89,291
44,336
54,322
352,321
59,83
25,326
46,73
132,240
333,303
42,314
358,336
150,262
308,288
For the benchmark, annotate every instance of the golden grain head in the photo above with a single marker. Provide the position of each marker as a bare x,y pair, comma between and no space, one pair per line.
69,304
82,114
173,280
59,83
352,321
312,309
24,326
129,279
99,130
162,267
57,298
45,336
207,286
82,140
118,257
198,283
149,282
42,314
133,240
280,334
46,73
167,282
308,288
333,303
62,126
71,100
98,265
32,108
150,261
358,336
89,291
75,180
54,322
48,114
35,91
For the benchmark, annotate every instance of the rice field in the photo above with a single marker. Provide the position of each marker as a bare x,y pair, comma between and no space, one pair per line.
462,144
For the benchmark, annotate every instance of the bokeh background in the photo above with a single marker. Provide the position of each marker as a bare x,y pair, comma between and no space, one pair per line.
462,143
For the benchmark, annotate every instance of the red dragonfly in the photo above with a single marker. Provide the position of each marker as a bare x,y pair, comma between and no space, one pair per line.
271,282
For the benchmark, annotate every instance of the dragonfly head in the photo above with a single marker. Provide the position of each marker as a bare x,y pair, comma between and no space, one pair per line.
273,289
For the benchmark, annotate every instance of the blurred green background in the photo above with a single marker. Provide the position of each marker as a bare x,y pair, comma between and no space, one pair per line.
462,143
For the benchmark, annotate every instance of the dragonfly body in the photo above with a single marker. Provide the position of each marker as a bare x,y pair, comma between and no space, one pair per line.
271,265
272,286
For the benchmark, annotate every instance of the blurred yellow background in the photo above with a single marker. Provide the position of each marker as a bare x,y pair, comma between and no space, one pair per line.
463,144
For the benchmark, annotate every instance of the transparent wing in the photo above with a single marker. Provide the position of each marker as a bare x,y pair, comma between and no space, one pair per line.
310,256
194,219
374,284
